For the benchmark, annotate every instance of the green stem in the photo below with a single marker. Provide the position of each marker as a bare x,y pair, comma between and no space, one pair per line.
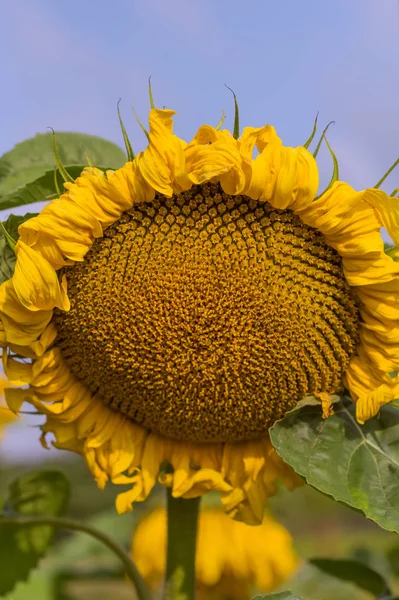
182,543
130,568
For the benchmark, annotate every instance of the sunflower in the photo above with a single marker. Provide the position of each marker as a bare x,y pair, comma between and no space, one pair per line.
232,558
172,310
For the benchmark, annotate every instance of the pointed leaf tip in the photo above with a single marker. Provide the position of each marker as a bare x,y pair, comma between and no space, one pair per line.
236,131
128,146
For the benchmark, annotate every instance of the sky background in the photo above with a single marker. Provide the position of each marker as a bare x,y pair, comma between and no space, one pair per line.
65,64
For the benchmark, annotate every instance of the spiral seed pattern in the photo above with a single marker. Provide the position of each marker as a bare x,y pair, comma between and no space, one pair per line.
205,317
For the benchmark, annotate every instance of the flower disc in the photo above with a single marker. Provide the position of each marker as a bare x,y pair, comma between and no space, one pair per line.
205,317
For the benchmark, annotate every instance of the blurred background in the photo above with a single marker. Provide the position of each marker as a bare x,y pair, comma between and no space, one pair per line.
66,64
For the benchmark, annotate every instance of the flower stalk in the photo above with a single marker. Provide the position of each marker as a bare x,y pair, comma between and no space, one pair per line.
181,547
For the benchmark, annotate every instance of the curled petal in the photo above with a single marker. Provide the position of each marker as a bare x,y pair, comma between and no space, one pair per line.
20,325
162,164
36,282
387,210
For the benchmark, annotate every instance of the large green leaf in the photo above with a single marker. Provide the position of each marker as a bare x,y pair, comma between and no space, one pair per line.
355,572
40,493
30,159
7,256
357,465
42,188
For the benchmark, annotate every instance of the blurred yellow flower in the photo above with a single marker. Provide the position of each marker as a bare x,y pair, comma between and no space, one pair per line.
232,561
174,309
6,416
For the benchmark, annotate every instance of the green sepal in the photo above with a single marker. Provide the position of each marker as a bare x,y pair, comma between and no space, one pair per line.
150,93
128,146
89,163
143,129
393,252
310,139
322,137
383,178
335,174
10,240
222,120
57,187
63,172
236,130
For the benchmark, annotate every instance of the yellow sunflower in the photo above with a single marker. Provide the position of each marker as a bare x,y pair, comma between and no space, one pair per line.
173,309
232,558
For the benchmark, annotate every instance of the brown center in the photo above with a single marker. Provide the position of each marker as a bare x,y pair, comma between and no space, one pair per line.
205,317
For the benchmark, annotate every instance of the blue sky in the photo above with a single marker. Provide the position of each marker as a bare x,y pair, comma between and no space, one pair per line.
69,62
66,63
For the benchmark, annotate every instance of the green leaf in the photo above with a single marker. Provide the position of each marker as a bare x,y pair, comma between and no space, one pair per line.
7,256
355,572
39,493
355,464
280,596
30,159
40,189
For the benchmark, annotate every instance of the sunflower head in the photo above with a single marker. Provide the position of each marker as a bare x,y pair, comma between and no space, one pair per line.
232,559
171,311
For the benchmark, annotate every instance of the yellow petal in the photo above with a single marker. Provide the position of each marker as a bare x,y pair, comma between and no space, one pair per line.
21,325
386,209
35,281
212,154
162,164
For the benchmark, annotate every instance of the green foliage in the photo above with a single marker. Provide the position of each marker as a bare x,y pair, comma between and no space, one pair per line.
7,256
39,493
355,572
392,251
78,548
280,596
27,175
42,188
30,159
357,465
